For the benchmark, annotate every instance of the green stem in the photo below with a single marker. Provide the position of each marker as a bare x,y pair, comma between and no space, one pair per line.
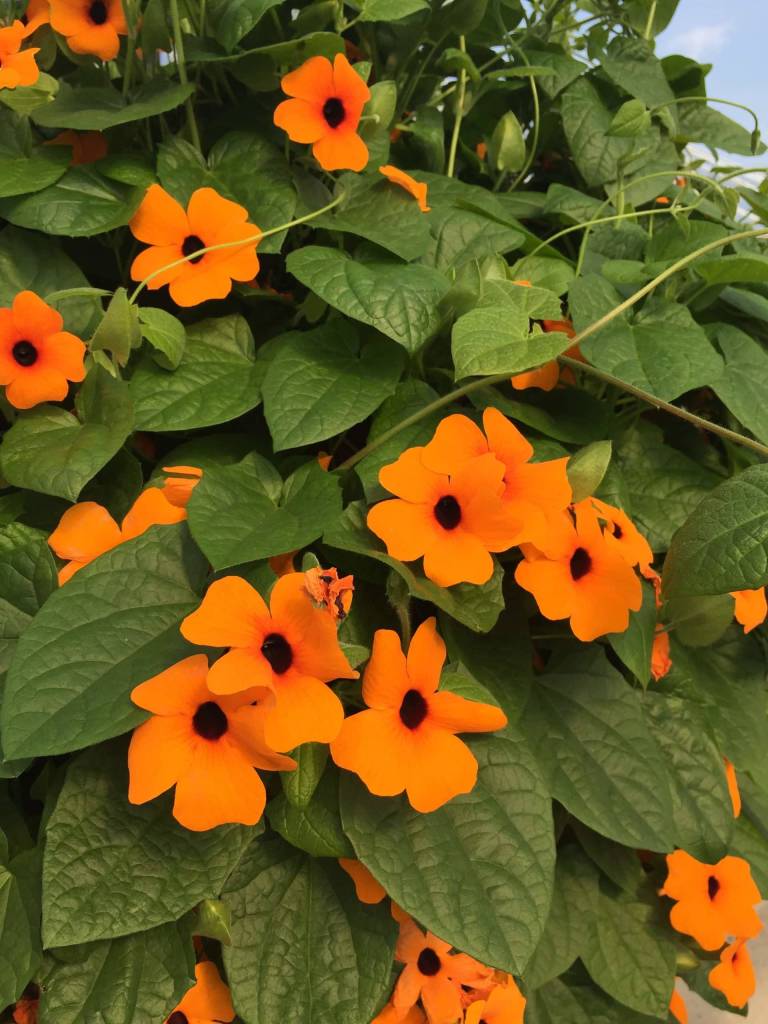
240,242
708,99
648,34
460,94
498,378
178,45
76,293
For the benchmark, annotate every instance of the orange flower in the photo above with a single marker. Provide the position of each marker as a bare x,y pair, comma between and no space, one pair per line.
533,491
25,1010
87,530
581,577
391,1015
367,889
17,66
172,233
417,188
454,521
90,26
661,662
329,591
481,150
751,608
713,900
407,739
547,376
504,1005
678,1009
290,648
663,201
734,976
178,487
87,147
622,535
207,1002
37,358
38,13
733,787
433,973
205,745
325,108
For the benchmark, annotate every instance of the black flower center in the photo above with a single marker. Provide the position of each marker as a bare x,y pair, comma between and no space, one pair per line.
25,353
713,887
448,512
97,12
413,711
191,244
581,563
428,962
209,721
333,111
177,1017
278,653
618,533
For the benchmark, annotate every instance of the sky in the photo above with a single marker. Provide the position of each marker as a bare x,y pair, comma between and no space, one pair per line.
730,34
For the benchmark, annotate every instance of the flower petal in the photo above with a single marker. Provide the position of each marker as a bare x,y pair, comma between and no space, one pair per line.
338,151
457,439
232,614
85,531
375,745
219,787
159,220
178,690
209,997
160,752
426,656
305,711
457,714
386,676
442,768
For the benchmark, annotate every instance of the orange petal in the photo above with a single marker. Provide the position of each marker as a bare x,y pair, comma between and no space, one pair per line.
196,284
209,213
35,386
305,711
442,768
34,317
678,1009
458,557
338,151
375,745
367,889
178,690
246,730
406,529
457,714
544,377
734,976
386,676
426,656
209,998
733,787
456,440
160,753
312,81
551,585
154,259
219,787
151,508
301,120
65,353
159,220
240,669
410,479
751,608
231,615
441,999
417,189
349,87
85,531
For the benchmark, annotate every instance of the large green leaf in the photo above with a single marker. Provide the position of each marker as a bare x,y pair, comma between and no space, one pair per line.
140,977
460,235
477,607
93,108
241,166
496,339
723,546
561,1002
701,123
315,828
27,578
586,726
703,813
20,948
79,204
245,512
115,623
398,299
26,166
631,63
52,451
218,379
743,386
635,645
629,957
745,267
304,949
26,263
230,20
321,382
586,121
111,868
478,872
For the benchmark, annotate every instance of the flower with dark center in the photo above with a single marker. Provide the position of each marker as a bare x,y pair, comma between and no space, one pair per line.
191,244
413,710
580,563
25,353
448,512
209,721
97,12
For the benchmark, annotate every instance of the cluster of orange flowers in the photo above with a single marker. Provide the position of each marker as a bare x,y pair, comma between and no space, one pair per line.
715,905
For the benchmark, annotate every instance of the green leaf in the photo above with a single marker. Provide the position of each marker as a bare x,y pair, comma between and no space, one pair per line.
631,119
315,828
477,607
214,921
138,977
304,949
118,331
460,235
587,121
630,958
586,727
27,579
723,546
25,263
165,333
70,680
635,645
740,268
301,783
230,20
217,380
478,872
561,1002
241,166
51,451
743,387
20,948
391,10
24,166
89,108
26,98
703,814
496,339
80,204
321,382
245,512
506,150
631,63
399,300
700,123
587,467
699,621
569,414
111,868
619,863
565,68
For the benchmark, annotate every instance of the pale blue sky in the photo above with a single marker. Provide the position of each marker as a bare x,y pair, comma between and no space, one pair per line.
730,34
